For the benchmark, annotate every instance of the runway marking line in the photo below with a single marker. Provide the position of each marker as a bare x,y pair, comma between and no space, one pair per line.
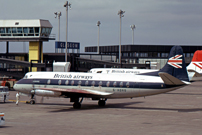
15,101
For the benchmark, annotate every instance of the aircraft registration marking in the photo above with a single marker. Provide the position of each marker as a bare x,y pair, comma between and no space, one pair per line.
120,90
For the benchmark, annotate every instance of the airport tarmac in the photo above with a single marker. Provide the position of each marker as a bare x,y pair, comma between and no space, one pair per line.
175,113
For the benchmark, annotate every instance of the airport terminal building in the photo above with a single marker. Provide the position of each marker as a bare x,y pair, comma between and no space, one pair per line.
142,53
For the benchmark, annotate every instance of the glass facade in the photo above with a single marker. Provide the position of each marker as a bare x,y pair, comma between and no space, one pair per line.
25,31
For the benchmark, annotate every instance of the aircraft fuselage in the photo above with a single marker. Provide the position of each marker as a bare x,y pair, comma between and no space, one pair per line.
119,86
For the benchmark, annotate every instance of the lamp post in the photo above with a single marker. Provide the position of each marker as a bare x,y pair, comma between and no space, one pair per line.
66,5
58,14
98,42
132,28
120,13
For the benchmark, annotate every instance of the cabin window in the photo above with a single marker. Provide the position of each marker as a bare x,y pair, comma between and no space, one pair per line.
79,82
72,82
59,82
100,83
127,84
67,82
107,84
114,84
49,81
86,83
121,84
93,83
99,71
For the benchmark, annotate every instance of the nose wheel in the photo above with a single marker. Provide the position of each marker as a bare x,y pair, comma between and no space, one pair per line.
32,100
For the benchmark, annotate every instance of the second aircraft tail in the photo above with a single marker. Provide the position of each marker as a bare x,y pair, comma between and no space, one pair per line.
176,65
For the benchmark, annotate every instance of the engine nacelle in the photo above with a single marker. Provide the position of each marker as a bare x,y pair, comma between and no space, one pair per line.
46,93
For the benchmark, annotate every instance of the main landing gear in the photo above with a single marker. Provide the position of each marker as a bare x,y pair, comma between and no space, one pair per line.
102,102
77,103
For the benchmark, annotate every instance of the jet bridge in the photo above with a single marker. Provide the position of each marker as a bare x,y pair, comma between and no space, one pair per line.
18,68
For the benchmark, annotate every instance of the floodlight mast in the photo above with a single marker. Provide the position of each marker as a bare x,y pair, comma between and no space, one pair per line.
66,5
98,42
58,14
120,13
132,28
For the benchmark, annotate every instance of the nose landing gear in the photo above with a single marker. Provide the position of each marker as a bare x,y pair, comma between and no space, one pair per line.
32,100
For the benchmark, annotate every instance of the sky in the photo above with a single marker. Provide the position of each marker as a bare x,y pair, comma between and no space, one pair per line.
158,22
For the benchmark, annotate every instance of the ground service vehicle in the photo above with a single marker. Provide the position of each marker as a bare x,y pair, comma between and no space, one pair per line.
2,119
4,93
6,81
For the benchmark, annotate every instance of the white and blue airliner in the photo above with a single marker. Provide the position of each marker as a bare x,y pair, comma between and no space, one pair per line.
76,85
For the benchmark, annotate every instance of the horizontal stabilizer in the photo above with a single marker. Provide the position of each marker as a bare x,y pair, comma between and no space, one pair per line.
196,73
170,80
196,76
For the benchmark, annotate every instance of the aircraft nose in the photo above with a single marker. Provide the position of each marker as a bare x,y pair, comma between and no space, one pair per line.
15,87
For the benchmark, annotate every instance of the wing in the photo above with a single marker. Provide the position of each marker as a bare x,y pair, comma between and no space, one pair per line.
77,92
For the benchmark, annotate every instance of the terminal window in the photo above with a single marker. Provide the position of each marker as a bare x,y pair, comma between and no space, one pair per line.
24,31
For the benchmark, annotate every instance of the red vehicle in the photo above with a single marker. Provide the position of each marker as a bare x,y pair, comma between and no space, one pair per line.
9,82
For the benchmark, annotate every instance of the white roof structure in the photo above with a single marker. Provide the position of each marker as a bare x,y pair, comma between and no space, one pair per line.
26,23
26,30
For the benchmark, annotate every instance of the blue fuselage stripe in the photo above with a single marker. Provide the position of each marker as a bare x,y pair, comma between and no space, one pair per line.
94,83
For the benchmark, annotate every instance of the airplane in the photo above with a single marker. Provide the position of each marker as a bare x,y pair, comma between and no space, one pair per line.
196,65
194,69
76,85
121,70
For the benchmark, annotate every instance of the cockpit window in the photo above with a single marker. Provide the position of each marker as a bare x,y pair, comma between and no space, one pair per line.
25,77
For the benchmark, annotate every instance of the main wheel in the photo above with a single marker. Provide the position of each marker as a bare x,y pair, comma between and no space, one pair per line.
32,102
101,102
77,105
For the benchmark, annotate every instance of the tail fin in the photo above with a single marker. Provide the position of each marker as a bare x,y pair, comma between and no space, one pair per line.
175,65
196,63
